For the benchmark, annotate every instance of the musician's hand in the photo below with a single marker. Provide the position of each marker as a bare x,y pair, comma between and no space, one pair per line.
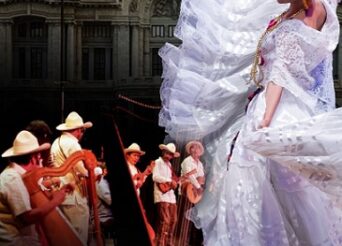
137,177
69,188
199,191
51,182
174,184
139,183
56,181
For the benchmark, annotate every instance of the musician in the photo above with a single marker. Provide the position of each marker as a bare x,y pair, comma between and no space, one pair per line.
133,154
165,201
195,150
41,130
17,217
104,201
75,206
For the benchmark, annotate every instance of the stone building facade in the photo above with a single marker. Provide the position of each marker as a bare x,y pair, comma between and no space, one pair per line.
106,44
80,54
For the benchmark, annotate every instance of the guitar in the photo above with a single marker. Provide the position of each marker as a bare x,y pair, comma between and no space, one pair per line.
140,177
165,187
194,195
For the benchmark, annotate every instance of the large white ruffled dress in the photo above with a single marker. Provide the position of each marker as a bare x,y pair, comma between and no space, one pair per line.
283,185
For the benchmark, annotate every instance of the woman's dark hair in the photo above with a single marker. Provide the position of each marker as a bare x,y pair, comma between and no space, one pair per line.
40,130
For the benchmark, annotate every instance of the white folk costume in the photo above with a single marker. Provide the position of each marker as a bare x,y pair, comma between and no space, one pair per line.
283,186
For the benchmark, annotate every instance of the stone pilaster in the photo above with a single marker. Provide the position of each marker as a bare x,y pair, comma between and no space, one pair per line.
135,51
123,52
54,47
115,53
78,52
147,54
6,51
70,53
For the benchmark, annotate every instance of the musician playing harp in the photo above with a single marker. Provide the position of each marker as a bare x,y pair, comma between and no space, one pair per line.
17,217
75,206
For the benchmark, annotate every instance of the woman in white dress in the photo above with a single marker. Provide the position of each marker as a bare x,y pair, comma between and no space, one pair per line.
284,174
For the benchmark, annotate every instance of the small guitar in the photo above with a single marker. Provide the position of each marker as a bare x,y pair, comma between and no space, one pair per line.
140,177
194,195
165,187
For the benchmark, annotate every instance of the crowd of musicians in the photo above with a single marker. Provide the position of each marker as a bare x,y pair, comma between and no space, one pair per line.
31,150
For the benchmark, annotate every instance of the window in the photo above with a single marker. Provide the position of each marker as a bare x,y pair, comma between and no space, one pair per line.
36,63
97,51
29,48
22,63
85,64
97,30
99,64
157,67
158,31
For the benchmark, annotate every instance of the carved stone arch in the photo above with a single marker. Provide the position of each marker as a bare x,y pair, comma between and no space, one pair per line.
24,15
133,6
166,8
146,6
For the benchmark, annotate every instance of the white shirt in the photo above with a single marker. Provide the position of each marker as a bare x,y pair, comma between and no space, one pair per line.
190,164
62,148
161,174
104,200
134,170
14,201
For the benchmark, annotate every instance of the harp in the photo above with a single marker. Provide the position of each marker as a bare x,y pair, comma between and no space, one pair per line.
128,211
56,230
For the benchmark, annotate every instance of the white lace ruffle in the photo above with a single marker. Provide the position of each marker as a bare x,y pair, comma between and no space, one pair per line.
207,76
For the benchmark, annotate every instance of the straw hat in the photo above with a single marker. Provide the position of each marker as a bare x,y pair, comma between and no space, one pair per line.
170,147
192,143
134,147
73,121
25,143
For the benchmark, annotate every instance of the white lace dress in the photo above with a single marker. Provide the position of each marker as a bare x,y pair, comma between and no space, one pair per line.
284,182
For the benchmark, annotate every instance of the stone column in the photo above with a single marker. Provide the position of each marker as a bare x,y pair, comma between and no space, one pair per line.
6,51
123,51
141,52
147,52
78,52
54,47
70,52
135,51
115,53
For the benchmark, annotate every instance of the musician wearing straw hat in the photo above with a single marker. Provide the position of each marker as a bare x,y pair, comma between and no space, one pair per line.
75,206
192,188
195,150
132,155
17,217
165,199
